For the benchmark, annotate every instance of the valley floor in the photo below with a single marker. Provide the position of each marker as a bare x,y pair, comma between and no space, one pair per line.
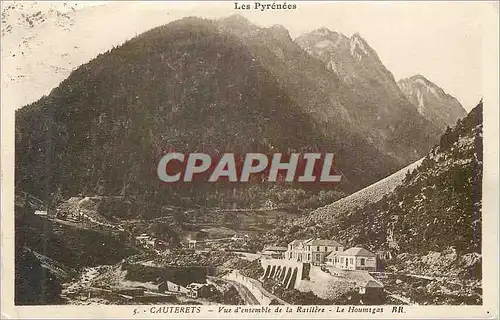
137,278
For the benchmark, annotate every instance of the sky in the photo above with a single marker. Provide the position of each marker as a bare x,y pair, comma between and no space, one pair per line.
442,41
439,40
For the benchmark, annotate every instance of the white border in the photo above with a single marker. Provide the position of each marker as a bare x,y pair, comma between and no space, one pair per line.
489,309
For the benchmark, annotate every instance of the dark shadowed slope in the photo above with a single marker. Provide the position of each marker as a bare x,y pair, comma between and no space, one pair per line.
193,85
184,86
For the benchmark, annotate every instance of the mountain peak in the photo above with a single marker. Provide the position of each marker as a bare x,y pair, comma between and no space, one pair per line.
237,22
431,101
421,80
239,25
280,31
357,35
353,61
360,48
278,27
236,18
321,31
419,76
326,39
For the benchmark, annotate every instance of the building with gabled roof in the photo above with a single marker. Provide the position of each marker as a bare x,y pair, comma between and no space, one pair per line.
312,250
356,251
331,258
200,290
354,259
274,252
295,250
323,242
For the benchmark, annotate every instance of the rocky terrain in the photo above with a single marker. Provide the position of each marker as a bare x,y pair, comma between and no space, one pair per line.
381,104
370,194
34,64
20,15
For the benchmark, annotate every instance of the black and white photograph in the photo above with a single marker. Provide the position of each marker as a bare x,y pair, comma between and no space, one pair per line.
259,159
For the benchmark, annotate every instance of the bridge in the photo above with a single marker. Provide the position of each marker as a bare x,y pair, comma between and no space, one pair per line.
289,273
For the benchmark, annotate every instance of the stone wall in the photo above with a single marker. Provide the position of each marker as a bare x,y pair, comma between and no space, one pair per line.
256,290
289,273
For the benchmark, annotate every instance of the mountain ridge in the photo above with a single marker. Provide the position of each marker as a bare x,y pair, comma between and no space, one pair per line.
112,117
432,101
379,102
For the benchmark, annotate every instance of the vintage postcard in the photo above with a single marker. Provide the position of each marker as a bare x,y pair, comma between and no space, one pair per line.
249,159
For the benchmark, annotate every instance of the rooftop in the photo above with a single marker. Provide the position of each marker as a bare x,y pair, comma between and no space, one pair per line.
275,248
298,241
357,252
323,242
196,285
333,254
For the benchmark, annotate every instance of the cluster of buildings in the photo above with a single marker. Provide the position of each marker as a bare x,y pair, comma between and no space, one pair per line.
151,242
200,290
324,252
164,291
231,243
193,290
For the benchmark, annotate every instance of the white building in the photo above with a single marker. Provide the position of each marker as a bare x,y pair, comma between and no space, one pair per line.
312,250
353,259
196,245
143,238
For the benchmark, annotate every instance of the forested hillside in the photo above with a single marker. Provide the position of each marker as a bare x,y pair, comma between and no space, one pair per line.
429,225
198,85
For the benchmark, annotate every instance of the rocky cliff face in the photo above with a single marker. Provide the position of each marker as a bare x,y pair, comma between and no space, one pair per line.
380,108
432,102
351,59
